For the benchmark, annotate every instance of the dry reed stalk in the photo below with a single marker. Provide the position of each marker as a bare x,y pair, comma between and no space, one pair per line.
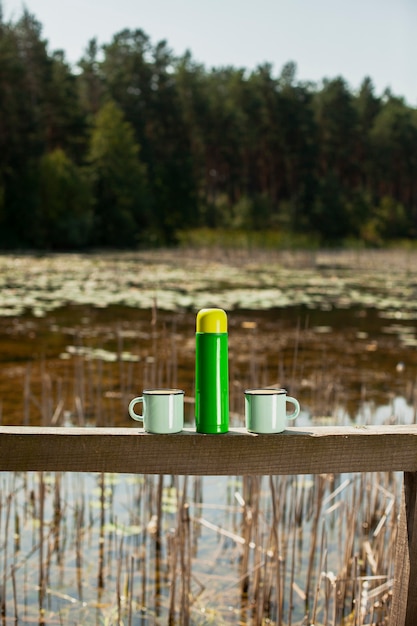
157,580
160,488
336,492
5,557
79,386
100,577
143,577
295,358
89,373
128,392
281,516
17,531
98,394
320,487
356,592
174,355
145,502
345,588
379,550
300,506
292,575
320,569
368,556
145,376
275,526
120,361
14,588
27,395
165,365
171,555
197,502
47,566
46,395
329,583
118,586
393,537
185,559
57,518
42,579
414,402
79,515
255,536
266,600
374,497
219,530
154,334
247,520
57,413
131,590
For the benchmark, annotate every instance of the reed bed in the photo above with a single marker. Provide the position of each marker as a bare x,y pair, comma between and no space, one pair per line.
127,550
107,549
93,378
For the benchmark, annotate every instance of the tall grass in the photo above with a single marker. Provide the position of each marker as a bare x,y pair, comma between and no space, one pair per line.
286,550
130,550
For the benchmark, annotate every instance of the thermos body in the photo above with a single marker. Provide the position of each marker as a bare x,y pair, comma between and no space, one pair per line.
212,372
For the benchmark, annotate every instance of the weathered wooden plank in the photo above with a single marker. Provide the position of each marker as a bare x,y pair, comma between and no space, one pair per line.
309,450
404,600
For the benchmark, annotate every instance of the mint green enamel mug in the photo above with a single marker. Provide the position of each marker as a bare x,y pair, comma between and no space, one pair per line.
162,411
266,410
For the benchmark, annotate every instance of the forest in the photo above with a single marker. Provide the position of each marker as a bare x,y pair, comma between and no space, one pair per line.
135,146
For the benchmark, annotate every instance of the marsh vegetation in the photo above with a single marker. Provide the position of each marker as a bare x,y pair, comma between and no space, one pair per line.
81,335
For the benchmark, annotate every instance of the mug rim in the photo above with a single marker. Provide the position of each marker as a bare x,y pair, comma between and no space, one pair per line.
161,391
265,391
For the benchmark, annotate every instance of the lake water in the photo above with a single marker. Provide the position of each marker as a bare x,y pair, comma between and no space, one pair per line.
81,335
82,364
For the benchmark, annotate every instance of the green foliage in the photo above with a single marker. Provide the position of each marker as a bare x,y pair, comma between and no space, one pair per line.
65,211
388,221
118,179
240,239
138,145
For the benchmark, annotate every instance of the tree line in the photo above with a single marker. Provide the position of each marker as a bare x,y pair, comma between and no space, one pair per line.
135,145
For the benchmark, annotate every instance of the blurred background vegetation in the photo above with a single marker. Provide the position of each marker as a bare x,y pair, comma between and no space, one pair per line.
137,148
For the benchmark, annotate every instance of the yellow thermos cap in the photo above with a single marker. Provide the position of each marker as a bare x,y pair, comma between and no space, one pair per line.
211,321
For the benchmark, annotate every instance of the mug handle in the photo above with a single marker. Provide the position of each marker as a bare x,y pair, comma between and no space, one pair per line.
296,411
133,415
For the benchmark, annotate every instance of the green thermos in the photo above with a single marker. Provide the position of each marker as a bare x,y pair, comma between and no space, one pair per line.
211,372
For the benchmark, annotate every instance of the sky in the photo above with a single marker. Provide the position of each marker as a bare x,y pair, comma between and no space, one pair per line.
325,38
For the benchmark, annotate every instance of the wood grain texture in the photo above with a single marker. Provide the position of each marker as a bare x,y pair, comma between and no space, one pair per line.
404,600
401,570
298,450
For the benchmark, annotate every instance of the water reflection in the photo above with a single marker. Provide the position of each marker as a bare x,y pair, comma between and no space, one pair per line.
397,411
83,364
110,549
196,550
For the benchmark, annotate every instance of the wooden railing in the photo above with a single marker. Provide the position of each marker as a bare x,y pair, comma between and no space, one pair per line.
314,450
